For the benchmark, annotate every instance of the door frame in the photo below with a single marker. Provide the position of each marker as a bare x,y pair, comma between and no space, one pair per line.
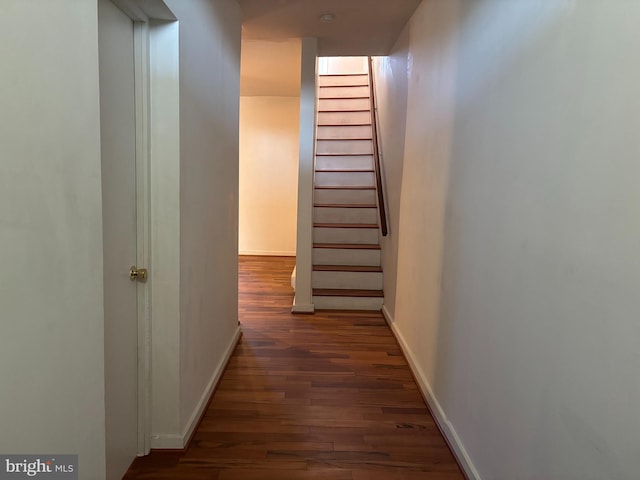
141,13
141,69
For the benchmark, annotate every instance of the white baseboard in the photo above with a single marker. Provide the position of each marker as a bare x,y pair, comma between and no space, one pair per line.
302,307
440,417
166,442
179,441
387,314
266,253
208,391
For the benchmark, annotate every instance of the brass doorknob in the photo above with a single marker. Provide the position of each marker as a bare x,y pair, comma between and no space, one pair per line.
139,274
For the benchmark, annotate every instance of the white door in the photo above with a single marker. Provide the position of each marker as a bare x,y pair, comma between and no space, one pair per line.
118,137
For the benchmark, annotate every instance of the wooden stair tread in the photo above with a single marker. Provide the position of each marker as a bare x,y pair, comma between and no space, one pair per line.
342,74
359,97
347,246
345,225
328,292
345,111
351,85
347,268
344,170
345,205
343,139
333,124
343,154
344,187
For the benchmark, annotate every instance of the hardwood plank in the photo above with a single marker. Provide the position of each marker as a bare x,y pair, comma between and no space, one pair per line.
325,396
315,474
347,246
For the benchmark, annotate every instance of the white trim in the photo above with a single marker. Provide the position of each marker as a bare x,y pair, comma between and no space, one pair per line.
206,395
179,441
439,416
387,314
140,12
266,253
167,442
293,278
141,59
144,10
164,276
131,9
306,157
302,307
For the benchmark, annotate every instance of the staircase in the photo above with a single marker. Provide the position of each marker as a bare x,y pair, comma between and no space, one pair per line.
347,273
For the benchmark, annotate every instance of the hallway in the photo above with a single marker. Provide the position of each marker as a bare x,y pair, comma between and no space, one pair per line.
326,396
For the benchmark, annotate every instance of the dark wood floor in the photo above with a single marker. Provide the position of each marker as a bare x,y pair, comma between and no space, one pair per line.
326,396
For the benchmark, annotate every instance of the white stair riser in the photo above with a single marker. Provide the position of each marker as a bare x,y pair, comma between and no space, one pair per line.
348,303
347,280
325,80
345,196
345,179
368,236
344,118
345,215
343,104
344,92
346,256
364,162
344,131
344,147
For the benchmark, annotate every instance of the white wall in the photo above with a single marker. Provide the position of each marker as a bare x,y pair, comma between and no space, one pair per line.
269,143
391,82
209,92
270,68
164,273
338,65
194,193
52,346
51,310
518,243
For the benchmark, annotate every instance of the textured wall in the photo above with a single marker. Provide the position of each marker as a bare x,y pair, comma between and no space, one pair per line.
518,266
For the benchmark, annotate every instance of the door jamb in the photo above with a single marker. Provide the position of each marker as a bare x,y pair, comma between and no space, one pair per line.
141,12
141,66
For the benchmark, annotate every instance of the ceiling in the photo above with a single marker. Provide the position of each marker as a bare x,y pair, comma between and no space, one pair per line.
360,27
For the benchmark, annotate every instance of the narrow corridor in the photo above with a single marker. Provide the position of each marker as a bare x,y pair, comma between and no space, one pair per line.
326,396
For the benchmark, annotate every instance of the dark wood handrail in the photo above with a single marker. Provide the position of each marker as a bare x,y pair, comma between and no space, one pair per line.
376,153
